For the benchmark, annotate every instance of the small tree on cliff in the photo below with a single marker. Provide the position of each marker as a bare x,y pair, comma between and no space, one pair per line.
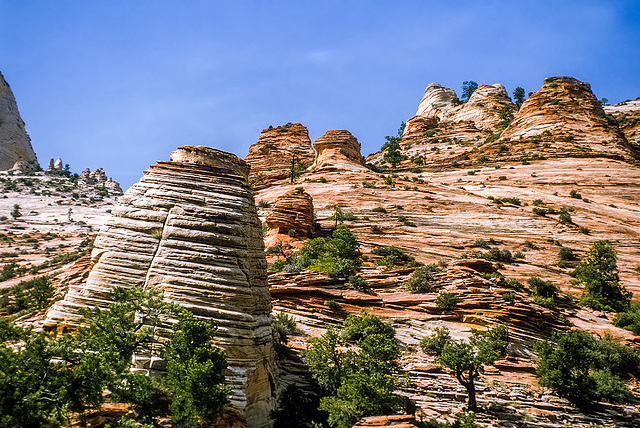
392,153
467,359
598,271
518,95
468,88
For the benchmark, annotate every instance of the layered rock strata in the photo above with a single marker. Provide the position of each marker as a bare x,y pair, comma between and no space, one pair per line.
566,114
337,149
291,211
436,101
272,156
190,229
484,107
15,144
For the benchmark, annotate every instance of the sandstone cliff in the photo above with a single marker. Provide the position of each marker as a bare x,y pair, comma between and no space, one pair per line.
15,144
337,149
566,115
271,157
190,228
627,114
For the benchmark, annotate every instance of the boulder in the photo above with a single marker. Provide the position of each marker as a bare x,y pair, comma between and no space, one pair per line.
292,211
337,149
15,144
190,229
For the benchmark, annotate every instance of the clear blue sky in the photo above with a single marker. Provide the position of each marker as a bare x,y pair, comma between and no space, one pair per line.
119,84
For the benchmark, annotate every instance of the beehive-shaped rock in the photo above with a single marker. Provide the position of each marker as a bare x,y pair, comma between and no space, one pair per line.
15,144
190,228
292,211
337,149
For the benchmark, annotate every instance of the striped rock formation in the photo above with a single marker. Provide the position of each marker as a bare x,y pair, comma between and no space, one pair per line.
271,156
15,144
190,228
337,149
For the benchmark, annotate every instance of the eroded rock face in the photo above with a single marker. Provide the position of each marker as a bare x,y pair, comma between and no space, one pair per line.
292,211
565,111
627,114
436,101
271,156
190,228
15,144
484,107
337,149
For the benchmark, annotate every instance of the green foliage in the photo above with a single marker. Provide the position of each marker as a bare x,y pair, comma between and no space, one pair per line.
26,296
392,154
518,96
16,211
284,326
566,254
338,256
506,117
195,373
629,320
69,373
379,210
575,195
394,256
542,288
421,279
467,359
468,88
447,301
358,283
435,342
357,381
598,271
564,217
497,255
583,369
296,168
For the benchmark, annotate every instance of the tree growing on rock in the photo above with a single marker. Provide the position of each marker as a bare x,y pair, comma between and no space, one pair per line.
467,359
518,96
468,88
598,271
392,153
355,366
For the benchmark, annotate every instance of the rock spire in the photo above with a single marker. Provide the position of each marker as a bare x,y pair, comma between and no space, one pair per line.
15,144
337,149
190,228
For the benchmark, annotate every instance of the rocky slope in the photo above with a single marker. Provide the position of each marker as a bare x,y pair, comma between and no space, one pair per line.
271,157
189,228
627,114
15,144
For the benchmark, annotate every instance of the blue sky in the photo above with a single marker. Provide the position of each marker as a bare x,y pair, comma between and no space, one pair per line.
120,84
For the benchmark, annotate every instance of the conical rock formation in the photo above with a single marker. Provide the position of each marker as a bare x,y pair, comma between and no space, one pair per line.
484,107
436,101
291,211
337,149
270,157
190,228
566,114
15,144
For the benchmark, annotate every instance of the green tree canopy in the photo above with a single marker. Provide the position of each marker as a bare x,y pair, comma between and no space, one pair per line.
518,96
598,271
468,88
355,367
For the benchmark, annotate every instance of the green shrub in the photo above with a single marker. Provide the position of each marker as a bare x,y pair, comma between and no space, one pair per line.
421,279
598,271
566,254
35,294
284,326
435,342
583,369
379,210
540,288
629,320
447,301
332,304
375,228
575,195
564,217
358,283
481,243
338,256
393,256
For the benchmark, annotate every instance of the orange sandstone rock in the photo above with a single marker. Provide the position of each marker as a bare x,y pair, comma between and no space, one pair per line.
337,149
270,157
292,211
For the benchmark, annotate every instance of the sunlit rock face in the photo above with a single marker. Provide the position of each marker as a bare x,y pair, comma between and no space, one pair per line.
15,144
566,113
190,228
484,107
337,149
270,157
436,101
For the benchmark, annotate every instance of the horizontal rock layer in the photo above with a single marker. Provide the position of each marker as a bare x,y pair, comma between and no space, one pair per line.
337,149
190,228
